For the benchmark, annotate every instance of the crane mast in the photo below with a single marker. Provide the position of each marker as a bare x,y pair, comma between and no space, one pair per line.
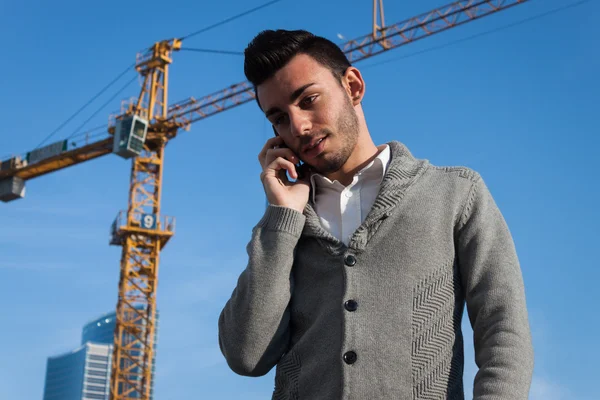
378,27
141,132
142,230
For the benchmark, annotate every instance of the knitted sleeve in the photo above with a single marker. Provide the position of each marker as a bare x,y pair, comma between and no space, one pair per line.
495,298
254,324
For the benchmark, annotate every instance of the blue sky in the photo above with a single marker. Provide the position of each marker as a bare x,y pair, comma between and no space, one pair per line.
517,105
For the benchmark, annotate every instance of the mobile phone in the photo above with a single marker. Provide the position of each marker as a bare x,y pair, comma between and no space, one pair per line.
300,166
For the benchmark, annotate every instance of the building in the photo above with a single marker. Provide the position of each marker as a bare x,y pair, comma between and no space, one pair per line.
99,330
84,373
81,374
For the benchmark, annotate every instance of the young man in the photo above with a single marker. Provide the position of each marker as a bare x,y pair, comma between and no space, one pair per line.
358,272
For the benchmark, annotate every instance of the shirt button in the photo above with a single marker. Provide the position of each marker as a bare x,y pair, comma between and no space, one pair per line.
348,194
350,357
350,260
351,305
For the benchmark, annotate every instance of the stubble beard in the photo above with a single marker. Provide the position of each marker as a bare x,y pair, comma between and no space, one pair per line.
347,132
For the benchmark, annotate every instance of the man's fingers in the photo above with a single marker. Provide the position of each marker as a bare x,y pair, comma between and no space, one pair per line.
269,145
278,165
283,152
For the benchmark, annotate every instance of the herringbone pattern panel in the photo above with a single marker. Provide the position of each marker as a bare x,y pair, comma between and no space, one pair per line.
287,378
437,357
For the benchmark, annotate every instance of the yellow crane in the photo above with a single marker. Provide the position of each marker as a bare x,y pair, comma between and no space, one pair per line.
141,132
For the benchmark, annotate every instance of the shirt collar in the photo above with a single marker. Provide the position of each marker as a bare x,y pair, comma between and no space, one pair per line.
376,169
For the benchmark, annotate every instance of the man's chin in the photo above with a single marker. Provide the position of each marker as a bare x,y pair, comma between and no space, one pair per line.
324,168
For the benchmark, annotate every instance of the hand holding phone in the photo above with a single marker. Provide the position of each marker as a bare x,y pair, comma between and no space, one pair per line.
277,162
301,169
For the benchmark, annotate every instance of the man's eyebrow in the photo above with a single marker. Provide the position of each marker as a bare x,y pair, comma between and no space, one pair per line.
271,111
297,93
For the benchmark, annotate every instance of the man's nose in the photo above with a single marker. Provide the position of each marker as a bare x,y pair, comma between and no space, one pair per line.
300,124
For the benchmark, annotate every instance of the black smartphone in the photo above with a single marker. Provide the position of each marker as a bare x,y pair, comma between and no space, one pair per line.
300,166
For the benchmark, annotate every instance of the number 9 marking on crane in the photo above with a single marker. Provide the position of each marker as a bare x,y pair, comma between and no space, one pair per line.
148,221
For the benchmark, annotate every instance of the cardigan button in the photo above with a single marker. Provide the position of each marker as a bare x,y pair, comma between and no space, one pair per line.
350,357
351,305
350,260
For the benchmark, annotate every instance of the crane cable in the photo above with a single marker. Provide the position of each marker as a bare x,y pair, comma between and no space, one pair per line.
233,53
229,19
104,89
88,131
76,131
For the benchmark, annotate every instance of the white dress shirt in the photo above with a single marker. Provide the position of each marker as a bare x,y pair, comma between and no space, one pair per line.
342,209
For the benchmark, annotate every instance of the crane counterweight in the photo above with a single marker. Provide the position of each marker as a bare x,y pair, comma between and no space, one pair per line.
11,189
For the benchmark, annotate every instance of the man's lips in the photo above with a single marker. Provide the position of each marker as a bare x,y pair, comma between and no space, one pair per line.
312,144
314,148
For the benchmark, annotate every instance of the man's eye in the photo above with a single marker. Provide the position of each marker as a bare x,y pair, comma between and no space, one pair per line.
309,100
279,120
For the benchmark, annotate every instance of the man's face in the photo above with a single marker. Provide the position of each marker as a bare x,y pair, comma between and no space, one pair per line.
312,113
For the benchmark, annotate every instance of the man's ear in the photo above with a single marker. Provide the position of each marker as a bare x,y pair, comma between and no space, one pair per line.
354,85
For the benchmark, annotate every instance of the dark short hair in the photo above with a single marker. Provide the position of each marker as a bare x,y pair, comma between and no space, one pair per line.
271,50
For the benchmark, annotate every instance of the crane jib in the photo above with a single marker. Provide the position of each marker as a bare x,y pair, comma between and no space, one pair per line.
48,151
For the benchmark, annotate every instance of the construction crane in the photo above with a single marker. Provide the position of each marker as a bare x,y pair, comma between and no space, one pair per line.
141,132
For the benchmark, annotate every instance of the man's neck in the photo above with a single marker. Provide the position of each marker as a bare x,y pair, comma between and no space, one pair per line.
364,152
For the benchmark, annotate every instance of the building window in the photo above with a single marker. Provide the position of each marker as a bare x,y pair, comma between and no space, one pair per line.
96,380
95,388
96,373
97,358
96,365
94,396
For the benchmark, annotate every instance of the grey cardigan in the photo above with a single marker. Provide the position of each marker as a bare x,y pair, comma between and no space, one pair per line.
381,317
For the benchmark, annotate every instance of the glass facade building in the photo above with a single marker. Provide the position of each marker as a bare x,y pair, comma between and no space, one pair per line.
99,330
84,373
